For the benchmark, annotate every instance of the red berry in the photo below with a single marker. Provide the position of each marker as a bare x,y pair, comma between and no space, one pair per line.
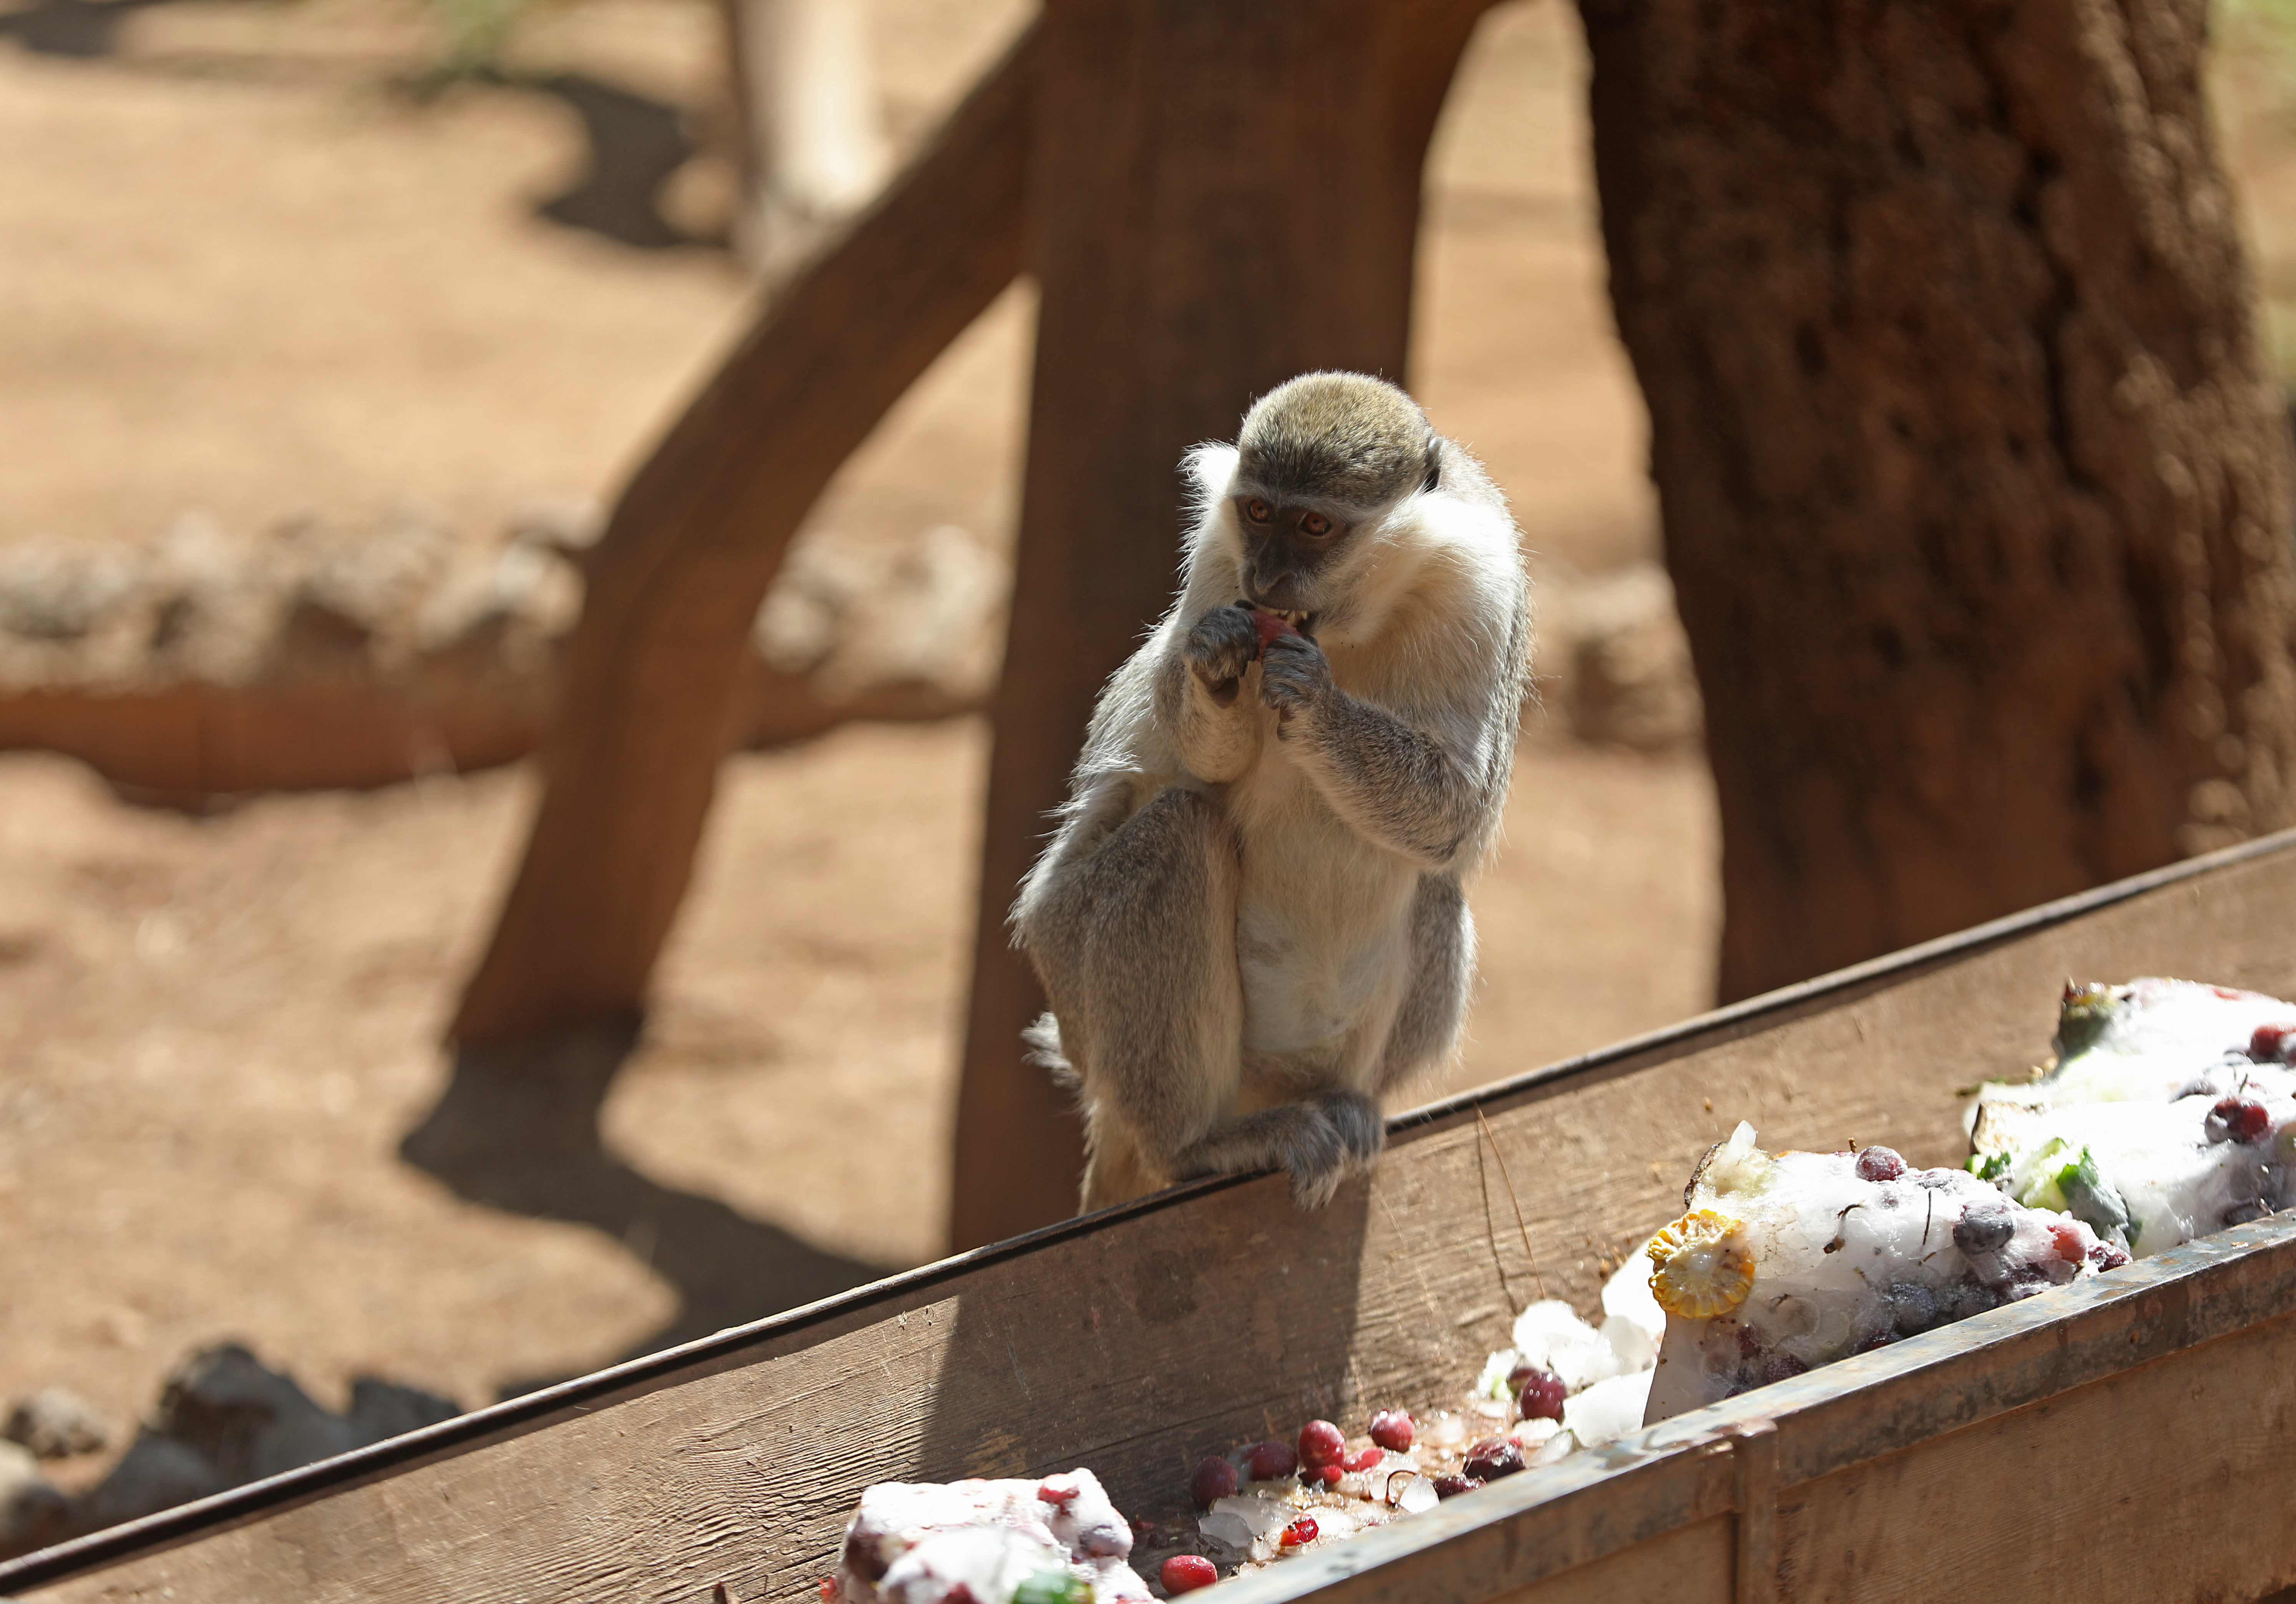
2271,1043
828,1590
1269,626
1363,1460
1393,1430
2238,1119
1185,1573
2066,1238
1451,1486
1058,1489
1539,1394
1214,1480
1328,1475
1879,1163
1300,1532
1269,1461
1321,1443
1493,1458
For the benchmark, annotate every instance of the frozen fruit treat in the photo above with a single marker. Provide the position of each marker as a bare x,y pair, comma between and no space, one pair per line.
2170,1113
1048,1540
1788,1261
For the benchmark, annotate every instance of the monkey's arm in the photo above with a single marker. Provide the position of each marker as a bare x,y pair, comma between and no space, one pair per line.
1198,695
1396,783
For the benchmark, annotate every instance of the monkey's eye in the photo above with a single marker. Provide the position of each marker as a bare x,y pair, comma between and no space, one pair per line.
1257,511
1315,525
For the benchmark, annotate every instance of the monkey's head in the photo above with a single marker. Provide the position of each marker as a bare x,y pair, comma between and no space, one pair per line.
1321,461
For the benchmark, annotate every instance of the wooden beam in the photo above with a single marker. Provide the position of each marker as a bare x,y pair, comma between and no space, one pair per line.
1222,196
630,764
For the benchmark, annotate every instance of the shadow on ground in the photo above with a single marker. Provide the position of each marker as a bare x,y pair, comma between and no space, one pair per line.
635,143
518,1129
83,29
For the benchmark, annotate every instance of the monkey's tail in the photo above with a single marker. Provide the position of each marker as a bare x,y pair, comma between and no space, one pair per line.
1044,1040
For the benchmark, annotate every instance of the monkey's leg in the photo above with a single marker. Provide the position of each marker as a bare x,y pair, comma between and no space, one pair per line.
1442,972
1133,932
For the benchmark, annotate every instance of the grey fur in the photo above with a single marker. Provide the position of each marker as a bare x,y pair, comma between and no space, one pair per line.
1252,922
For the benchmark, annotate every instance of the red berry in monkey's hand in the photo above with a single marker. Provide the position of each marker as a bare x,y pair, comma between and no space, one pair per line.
1321,1443
1270,625
1185,1573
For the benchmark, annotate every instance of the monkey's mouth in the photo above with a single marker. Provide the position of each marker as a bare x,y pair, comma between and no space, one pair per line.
1298,620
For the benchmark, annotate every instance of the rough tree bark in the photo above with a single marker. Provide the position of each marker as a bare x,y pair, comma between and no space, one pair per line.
1975,482
1221,196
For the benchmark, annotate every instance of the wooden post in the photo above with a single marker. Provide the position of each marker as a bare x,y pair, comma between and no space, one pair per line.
631,761
1222,196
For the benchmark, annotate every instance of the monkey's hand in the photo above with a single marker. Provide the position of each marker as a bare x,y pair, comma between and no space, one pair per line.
1220,648
1295,675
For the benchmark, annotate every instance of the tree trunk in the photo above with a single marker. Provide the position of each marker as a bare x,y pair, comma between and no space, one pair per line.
1222,196
1975,482
812,130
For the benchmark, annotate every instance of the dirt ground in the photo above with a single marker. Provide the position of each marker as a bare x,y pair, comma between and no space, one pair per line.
243,275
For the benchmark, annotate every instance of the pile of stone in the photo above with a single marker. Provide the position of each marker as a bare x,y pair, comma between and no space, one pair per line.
224,1419
201,665
1614,662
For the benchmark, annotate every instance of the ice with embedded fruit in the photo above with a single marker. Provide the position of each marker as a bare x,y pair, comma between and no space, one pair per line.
1044,1540
1788,1261
2169,1113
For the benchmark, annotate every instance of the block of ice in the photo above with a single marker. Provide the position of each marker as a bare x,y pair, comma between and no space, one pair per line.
2170,1113
1608,1410
1054,1536
1788,1261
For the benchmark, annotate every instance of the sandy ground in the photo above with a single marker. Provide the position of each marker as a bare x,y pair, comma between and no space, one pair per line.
242,274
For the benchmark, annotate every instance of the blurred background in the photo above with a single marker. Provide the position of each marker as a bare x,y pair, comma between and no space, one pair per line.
329,331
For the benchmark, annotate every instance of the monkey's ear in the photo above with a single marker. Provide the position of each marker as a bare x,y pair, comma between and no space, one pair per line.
1433,478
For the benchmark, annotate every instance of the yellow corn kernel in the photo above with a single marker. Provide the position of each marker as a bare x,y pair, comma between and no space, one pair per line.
1702,1270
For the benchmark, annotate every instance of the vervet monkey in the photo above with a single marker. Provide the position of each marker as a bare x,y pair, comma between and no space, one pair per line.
1252,919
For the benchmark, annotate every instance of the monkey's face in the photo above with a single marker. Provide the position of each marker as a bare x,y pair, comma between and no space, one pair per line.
1289,548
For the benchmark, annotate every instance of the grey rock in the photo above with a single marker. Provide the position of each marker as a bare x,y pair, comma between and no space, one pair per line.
247,1420
156,1473
55,1423
32,1513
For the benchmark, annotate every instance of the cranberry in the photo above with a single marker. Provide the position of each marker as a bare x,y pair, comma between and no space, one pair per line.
1879,1163
1394,1430
2272,1043
1270,625
1538,1393
1214,1480
2238,1119
2066,1238
1327,1475
1493,1458
829,1589
2105,1256
1269,1461
1299,1533
1451,1486
1321,1443
1364,1461
1059,1489
1185,1573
